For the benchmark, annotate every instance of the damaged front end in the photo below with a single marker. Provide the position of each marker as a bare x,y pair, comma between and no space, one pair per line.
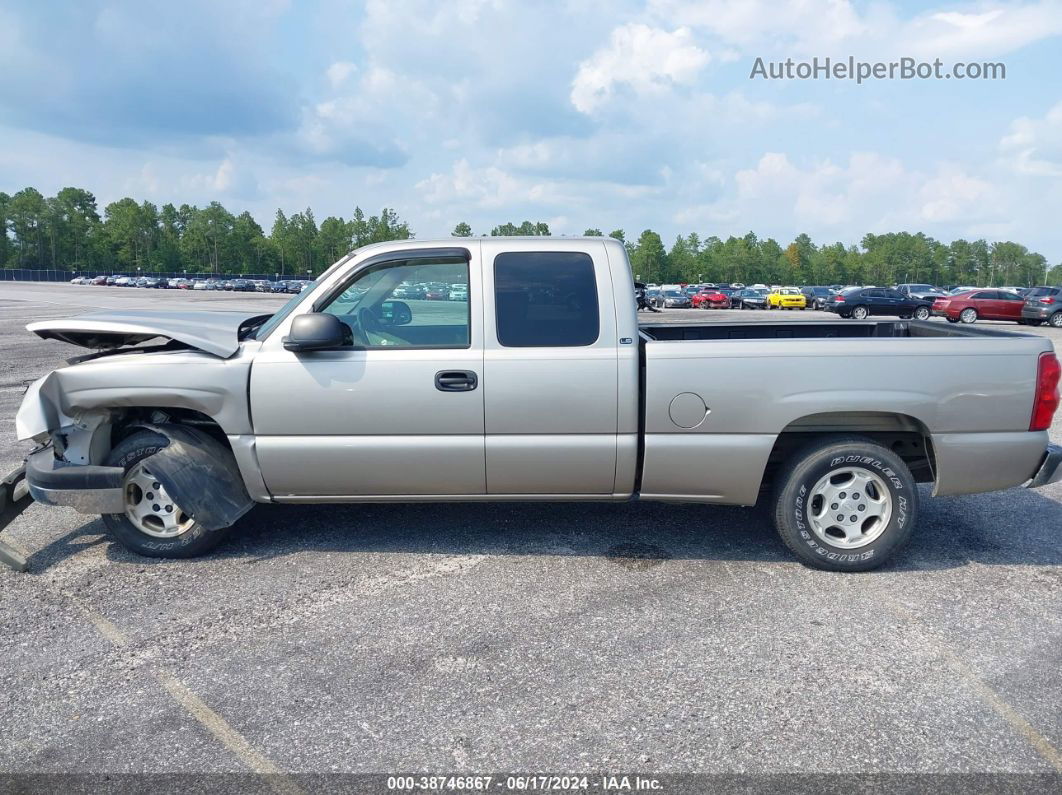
77,414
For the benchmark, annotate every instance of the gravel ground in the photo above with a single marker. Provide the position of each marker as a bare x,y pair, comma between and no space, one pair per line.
521,637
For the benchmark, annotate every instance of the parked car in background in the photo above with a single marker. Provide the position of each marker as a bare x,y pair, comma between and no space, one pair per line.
713,298
263,286
673,299
1043,305
786,298
861,302
458,292
957,290
280,286
750,298
816,296
971,306
927,291
437,292
100,281
77,280
199,284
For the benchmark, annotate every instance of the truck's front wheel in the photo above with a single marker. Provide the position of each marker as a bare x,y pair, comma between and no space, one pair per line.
153,524
845,504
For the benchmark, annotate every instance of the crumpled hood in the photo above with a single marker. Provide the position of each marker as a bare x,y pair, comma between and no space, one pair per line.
212,332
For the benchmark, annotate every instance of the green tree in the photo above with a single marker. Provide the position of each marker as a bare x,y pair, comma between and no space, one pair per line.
462,230
527,228
649,259
26,211
333,240
592,233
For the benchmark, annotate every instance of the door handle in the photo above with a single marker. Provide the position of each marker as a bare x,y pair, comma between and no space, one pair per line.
456,380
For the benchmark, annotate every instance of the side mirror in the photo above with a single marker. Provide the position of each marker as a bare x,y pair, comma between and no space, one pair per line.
314,331
395,313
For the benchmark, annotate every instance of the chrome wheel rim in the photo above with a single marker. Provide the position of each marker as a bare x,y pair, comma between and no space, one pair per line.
968,316
859,313
1056,320
921,313
150,508
849,507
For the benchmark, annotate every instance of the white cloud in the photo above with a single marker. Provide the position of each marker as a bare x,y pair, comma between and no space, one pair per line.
870,192
339,72
1034,146
824,27
646,59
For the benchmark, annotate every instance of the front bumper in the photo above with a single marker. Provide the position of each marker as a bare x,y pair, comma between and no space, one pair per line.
85,488
1050,470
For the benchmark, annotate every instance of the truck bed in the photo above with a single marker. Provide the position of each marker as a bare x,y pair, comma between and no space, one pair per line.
716,405
813,329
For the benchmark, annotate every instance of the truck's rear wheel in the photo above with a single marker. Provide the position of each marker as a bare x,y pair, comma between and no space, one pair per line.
153,524
845,504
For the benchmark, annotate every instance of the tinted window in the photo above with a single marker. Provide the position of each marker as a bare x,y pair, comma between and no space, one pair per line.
985,295
872,294
1041,292
546,299
1005,295
893,294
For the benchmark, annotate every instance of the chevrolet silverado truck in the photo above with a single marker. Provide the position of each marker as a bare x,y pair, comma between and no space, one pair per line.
533,381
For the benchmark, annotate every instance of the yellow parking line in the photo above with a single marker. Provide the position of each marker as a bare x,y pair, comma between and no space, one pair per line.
1001,707
197,708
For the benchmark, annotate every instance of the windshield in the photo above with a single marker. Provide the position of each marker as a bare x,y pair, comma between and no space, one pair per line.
673,294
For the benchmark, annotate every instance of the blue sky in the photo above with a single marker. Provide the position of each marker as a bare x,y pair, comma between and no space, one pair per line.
619,114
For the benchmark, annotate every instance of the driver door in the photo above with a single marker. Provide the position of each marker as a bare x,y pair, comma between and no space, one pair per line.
398,409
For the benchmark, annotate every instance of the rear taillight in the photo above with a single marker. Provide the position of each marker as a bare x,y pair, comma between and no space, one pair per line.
838,298
1048,372
1047,300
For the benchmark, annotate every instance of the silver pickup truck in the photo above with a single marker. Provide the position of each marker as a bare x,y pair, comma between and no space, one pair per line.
515,369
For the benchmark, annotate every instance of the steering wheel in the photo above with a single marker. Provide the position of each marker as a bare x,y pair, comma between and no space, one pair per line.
367,321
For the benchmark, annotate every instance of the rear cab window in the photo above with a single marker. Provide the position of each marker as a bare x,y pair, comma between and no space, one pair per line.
546,299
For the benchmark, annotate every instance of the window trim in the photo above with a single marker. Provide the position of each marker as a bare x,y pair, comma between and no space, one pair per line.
597,298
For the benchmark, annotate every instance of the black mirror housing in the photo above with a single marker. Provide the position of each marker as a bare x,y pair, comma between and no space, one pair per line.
395,313
314,331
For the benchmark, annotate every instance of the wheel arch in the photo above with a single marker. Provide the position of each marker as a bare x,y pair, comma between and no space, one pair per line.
904,434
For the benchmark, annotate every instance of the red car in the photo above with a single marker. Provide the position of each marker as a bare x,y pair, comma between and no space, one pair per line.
984,304
710,299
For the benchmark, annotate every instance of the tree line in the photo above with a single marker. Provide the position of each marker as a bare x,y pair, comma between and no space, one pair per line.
68,232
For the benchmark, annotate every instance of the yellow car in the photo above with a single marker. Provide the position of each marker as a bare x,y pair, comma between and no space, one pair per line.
786,298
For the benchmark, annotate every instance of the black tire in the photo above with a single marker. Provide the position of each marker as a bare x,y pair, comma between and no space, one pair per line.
1035,322
1055,321
196,540
953,320
905,316
792,502
922,313
856,310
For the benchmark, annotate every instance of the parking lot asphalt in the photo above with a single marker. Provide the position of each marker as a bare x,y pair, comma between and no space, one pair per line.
520,637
